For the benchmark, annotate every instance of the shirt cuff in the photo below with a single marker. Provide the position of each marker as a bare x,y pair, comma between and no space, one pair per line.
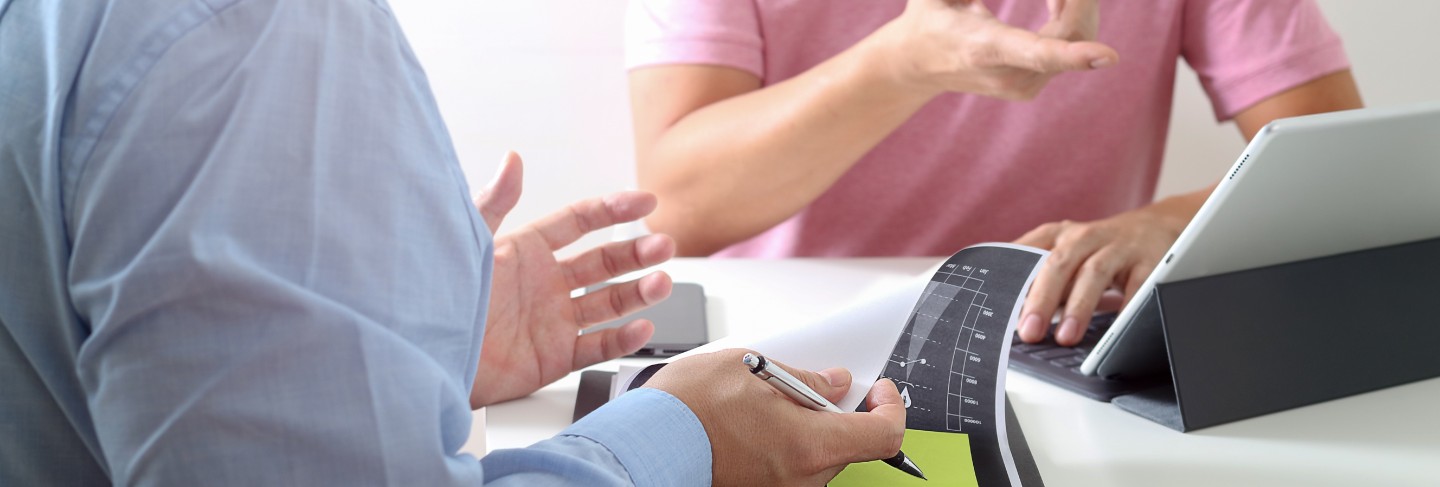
738,55
654,435
1234,96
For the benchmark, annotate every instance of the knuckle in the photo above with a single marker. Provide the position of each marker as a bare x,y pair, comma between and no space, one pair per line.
577,215
1084,233
583,315
985,52
1060,258
610,345
610,261
1096,265
813,380
617,302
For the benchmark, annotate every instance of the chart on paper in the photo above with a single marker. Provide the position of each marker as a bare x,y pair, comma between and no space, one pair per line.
950,359
950,351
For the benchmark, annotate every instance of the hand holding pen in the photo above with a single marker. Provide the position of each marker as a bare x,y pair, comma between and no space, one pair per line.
796,389
758,437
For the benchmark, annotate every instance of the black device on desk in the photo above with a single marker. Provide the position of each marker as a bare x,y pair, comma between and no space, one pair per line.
679,321
1060,365
1308,275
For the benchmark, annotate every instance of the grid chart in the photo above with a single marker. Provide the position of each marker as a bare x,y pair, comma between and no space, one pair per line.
950,358
945,363
966,287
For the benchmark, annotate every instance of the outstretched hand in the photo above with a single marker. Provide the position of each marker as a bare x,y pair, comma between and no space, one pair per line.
532,331
960,46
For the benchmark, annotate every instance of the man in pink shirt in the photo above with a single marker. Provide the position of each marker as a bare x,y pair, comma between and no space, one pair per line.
773,128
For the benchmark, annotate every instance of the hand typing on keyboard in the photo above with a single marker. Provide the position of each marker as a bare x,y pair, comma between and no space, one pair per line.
1060,365
1088,258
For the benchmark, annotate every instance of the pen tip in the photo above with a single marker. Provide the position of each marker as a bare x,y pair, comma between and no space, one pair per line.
918,473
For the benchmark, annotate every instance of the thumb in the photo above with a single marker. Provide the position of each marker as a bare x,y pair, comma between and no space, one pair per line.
832,383
884,395
500,196
874,434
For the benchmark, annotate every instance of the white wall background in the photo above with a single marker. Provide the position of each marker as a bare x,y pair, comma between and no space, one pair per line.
545,78
1394,54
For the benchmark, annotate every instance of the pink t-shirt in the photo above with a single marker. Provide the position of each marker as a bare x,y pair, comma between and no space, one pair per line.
967,168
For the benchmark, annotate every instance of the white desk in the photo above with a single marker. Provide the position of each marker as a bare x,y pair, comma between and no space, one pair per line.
1384,438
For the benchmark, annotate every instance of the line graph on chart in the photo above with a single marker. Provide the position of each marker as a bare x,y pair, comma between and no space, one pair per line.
946,340
950,360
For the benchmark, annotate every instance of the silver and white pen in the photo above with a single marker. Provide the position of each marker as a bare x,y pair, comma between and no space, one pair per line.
803,394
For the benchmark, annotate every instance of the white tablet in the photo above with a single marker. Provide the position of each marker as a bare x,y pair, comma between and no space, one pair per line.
1305,187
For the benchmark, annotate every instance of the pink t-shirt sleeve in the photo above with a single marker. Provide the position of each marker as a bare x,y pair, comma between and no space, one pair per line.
721,32
1248,50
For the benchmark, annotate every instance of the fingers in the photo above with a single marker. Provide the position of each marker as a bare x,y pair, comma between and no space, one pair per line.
1137,277
1055,6
1111,301
617,258
1027,50
1074,13
621,299
832,383
759,437
1040,303
1074,244
1093,278
874,434
500,196
593,348
1043,236
1073,20
568,225
839,380
1086,260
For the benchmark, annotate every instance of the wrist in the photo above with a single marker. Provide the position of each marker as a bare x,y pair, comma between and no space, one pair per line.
885,58
1175,212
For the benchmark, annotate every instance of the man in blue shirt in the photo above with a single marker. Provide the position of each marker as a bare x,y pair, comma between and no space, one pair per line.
236,248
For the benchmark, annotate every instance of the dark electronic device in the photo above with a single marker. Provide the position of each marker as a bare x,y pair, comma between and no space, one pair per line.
680,323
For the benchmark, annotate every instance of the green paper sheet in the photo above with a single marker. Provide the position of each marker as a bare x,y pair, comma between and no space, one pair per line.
944,457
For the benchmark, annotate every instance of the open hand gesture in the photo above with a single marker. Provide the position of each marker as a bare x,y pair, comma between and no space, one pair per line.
532,331
960,46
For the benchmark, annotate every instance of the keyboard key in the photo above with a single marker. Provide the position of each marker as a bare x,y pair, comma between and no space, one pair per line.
1031,347
1054,353
1068,362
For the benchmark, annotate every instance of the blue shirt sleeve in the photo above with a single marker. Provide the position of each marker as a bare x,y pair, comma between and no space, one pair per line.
273,245
649,431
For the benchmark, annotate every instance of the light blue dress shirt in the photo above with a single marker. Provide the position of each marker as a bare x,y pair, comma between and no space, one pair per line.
236,248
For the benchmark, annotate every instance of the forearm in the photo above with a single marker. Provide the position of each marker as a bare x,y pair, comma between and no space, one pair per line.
736,167
1175,212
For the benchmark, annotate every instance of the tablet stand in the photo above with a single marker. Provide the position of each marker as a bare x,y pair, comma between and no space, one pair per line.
1258,341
